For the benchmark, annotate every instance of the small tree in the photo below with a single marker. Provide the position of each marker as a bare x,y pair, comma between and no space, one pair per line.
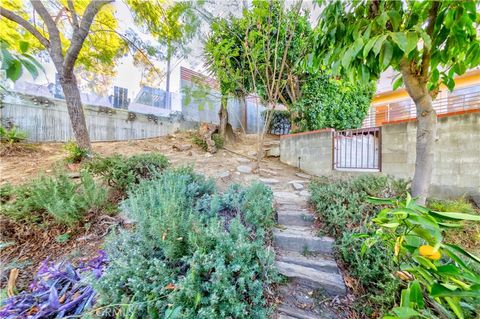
173,24
428,42
67,36
224,58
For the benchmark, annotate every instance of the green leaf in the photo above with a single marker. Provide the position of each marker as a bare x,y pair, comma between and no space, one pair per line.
31,68
416,294
462,251
412,40
455,216
369,45
395,19
386,54
23,46
455,306
365,74
398,83
401,40
439,290
347,58
405,312
427,41
14,70
378,44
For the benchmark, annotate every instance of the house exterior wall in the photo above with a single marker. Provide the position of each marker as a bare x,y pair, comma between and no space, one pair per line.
456,158
471,77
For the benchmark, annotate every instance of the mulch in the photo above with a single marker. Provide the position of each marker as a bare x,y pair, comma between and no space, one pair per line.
33,243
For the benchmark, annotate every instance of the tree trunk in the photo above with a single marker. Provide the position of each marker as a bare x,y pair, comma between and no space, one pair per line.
242,101
426,133
223,115
75,110
167,85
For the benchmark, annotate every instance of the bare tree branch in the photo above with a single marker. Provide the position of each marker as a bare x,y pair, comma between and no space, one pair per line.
79,37
55,42
71,8
27,25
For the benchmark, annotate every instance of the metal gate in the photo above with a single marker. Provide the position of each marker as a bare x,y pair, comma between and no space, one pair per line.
358,149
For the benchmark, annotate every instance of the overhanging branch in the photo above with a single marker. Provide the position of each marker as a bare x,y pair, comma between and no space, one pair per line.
10,15
79,37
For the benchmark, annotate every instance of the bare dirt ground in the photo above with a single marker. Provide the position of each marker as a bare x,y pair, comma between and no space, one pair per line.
20,167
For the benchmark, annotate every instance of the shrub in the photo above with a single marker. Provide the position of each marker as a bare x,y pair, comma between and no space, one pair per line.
121,172
217,139
327,102
75,154
341,202
373,269
192,249
12,135
57,196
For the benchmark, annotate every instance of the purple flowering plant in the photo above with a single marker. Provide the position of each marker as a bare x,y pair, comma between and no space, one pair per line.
57,291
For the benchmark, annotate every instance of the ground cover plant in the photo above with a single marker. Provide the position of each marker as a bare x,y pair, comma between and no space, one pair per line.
58,291
194,253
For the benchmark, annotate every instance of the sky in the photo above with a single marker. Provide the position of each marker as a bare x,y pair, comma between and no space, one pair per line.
128,76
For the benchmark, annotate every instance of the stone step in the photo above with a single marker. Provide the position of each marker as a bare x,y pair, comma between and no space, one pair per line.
317,261
331,283
292,206
295,218
286,312
301,239
300,302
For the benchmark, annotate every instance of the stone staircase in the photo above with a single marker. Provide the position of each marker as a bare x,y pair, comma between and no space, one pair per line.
305,259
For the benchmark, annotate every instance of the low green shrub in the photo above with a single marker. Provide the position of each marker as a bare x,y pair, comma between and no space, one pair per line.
58,196
193,251
12,135
121,172
75,154
374,271
341,202
217,139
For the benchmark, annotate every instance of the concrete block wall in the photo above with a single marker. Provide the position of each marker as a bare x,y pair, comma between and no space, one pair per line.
456,169
310,151
456,159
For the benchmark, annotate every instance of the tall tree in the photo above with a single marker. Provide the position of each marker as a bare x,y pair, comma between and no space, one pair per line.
428,42
71,32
